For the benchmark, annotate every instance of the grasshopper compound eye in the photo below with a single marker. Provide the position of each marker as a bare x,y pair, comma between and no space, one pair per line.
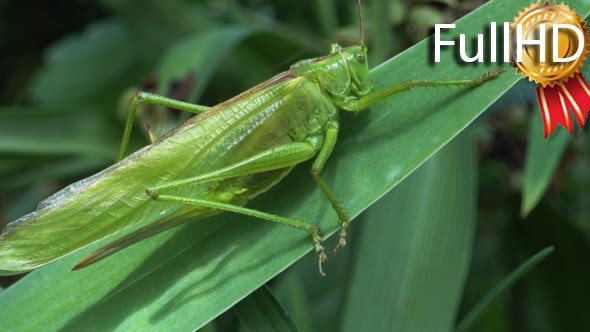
360,57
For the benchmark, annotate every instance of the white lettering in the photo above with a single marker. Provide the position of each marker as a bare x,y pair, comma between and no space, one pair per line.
580,35
506,42
520,42
437,42
478,56
493,42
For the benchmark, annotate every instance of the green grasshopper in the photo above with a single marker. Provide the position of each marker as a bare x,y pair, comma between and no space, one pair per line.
216,161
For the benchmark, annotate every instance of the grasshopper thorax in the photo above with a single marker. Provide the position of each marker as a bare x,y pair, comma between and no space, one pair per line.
344,73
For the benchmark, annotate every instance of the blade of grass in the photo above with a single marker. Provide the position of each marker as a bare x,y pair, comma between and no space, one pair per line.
180,59
67,168
10,164
317,304
415,250
89,65
292,293
57,131
23,202
466,323
210,327
260,311
185,277
542,158
326,13
380,30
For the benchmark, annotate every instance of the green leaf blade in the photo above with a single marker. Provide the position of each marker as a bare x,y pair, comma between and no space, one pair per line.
261,311
57,131
542,158
414,254
506,283
86,66
200,270
180,59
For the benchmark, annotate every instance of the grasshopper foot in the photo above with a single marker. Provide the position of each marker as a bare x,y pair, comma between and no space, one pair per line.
322,258
342,241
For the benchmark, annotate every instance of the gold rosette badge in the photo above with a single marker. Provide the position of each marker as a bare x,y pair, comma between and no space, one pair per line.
549,47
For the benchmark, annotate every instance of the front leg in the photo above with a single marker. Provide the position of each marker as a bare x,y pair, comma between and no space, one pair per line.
356,105
150,98
316,169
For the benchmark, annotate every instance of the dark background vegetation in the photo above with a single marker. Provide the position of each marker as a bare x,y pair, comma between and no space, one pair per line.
66,67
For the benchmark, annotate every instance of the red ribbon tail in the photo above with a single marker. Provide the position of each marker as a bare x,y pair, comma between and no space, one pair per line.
557,101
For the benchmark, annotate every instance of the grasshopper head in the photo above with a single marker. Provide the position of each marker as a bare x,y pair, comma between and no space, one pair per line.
358,64
344,73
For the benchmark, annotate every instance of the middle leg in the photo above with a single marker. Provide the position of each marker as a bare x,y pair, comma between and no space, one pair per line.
278,157
316,169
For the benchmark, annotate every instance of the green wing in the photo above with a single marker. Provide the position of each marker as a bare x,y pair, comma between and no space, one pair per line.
115,199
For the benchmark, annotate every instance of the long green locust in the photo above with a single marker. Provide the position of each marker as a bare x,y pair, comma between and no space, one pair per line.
216,161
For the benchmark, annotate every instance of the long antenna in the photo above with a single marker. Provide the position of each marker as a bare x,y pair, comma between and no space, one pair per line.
362,25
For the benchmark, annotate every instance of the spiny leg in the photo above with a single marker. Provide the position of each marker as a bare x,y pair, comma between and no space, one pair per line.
278,157
376,96
281,156
313,230
149,98
316,169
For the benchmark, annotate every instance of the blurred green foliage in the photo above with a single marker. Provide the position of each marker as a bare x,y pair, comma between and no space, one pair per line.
68,70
